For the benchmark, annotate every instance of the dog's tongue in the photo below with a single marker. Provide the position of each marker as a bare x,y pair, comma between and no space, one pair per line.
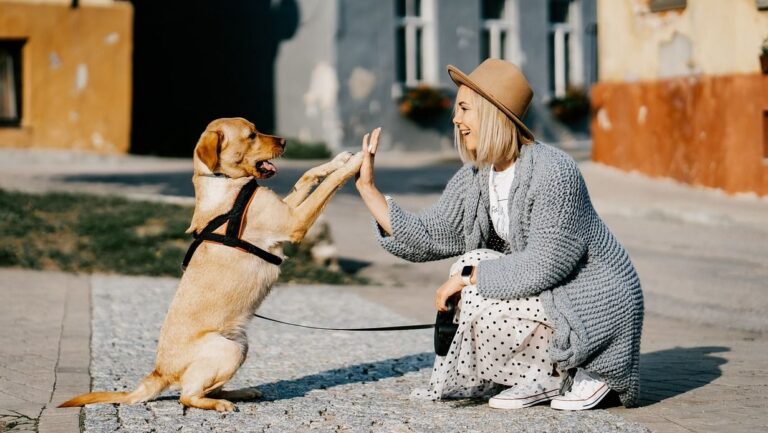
268,169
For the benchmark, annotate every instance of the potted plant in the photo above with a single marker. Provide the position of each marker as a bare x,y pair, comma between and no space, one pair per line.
423,103
572,107
764,56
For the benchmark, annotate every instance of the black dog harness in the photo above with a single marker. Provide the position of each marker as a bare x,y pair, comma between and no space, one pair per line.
234,219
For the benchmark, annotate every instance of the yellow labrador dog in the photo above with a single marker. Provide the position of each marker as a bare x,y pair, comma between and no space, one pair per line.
203,342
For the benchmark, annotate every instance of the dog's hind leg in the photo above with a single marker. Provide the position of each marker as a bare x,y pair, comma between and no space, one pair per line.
312,177
217,360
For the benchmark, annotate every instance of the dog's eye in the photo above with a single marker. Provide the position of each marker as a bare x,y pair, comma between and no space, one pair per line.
252,136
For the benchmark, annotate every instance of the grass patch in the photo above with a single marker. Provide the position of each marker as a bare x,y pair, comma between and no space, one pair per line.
85,233
296,149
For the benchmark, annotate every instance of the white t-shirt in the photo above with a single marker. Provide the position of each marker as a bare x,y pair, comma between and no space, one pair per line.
499,184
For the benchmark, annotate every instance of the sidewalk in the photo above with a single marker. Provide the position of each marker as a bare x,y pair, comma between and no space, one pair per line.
44,349
700,256
694,378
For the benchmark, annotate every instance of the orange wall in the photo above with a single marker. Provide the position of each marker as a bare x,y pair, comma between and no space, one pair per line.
706,130
76,75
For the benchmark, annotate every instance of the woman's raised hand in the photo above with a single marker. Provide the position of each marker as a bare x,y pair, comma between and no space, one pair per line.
370,144
374,200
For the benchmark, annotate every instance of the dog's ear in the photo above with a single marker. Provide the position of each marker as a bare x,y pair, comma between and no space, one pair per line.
207,149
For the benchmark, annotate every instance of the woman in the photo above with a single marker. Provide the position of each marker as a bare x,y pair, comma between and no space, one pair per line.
549,300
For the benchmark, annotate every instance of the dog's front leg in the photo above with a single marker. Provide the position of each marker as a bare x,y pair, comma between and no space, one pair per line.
312,177
308,211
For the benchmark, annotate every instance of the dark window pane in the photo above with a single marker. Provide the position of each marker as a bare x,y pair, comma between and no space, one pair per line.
419,74
416,8
400,59
492,9
400,8
485,44
10,82
551,60
558,11
503,44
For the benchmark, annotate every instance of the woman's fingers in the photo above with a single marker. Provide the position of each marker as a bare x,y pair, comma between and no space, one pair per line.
374,143
365,143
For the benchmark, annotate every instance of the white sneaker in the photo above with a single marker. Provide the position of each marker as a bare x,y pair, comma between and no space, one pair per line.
522,396
587,391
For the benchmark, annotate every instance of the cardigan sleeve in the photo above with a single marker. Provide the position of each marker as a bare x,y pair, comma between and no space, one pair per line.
555,245
432,234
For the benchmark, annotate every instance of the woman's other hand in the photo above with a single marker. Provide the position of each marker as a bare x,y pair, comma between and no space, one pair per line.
374,200
451,287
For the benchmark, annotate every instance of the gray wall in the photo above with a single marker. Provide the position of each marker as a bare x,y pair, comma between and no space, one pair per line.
306,99
366,46
335,77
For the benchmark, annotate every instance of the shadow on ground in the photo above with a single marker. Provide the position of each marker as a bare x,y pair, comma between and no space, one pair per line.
366,372
668,373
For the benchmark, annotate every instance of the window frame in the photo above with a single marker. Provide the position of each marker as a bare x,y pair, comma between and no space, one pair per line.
504,28
413,55
15,47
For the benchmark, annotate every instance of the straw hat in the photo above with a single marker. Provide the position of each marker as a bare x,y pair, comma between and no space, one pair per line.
503,85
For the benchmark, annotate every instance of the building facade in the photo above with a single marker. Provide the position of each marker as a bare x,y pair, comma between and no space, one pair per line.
65,74
354,65
681,93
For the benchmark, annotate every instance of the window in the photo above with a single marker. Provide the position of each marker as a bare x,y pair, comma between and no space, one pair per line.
416,42
565,46
663,5
499,38
10,82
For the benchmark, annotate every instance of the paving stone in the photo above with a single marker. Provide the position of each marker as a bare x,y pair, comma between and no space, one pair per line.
311,380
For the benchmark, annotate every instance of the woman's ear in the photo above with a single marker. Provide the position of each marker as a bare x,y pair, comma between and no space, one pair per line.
207,149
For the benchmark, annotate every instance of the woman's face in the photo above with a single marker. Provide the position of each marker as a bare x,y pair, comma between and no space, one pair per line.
466,118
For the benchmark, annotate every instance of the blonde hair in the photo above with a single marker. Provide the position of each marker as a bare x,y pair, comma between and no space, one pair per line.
498,138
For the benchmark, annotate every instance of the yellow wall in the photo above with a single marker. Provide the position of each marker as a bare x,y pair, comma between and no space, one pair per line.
76,74
711,37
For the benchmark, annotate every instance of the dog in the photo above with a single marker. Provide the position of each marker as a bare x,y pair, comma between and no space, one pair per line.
203,340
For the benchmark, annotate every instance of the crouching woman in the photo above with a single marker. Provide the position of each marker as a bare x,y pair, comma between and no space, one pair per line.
550,305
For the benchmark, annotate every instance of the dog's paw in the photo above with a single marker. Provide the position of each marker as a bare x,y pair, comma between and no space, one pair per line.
225,406
343,157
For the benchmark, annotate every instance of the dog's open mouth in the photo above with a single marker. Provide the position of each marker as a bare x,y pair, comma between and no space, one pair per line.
266,169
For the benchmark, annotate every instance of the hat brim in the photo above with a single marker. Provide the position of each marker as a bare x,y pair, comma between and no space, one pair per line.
461,78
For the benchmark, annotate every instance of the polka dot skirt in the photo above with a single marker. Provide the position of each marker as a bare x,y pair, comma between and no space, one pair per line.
497,343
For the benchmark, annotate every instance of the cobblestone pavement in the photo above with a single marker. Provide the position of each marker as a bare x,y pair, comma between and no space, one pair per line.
311,380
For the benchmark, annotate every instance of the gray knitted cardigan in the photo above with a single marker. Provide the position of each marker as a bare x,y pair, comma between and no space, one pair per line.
560,250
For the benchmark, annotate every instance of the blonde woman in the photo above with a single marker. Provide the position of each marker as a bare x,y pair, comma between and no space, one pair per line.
550,305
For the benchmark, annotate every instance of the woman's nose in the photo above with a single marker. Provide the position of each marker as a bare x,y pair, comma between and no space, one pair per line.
456,119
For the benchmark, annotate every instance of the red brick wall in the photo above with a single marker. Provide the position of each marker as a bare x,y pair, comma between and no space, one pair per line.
708,130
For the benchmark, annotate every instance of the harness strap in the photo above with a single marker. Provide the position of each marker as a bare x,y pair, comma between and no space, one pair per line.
234,219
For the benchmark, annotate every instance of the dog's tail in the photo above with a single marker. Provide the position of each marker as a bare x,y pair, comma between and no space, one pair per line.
148,388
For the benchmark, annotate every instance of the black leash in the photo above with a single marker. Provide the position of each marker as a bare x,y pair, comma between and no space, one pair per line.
383,328
234,219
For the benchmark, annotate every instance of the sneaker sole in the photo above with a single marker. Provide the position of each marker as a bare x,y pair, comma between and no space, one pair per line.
498,403
585,404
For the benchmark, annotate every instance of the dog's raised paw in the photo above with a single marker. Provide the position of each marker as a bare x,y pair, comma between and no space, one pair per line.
343,157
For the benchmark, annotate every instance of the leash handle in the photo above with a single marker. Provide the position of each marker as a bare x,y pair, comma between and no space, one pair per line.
379,329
